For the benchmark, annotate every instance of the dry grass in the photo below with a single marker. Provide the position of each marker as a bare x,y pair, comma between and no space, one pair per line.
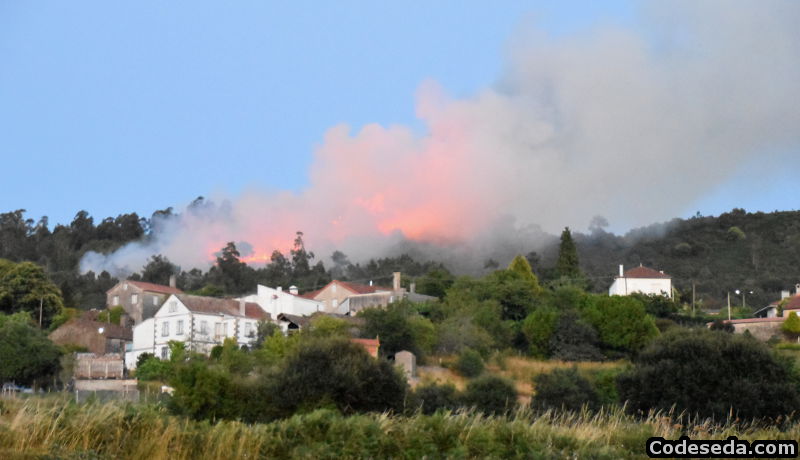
37,428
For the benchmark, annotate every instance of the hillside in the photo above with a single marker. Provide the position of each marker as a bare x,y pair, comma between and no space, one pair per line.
756,252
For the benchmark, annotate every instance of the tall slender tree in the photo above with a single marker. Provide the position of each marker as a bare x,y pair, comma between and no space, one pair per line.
568,266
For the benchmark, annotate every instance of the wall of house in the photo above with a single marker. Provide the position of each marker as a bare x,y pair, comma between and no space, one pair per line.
275,302
143,342
760,330
625,286
76,334
138,304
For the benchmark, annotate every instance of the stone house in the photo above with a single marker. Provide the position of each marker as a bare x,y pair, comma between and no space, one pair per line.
140,300
96,337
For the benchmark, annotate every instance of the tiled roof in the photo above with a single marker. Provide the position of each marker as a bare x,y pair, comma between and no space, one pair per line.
792,303
753,320
215,306
644,272
88,326
151,287
352,287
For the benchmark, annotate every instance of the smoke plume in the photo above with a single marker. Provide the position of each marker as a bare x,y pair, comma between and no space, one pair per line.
632,123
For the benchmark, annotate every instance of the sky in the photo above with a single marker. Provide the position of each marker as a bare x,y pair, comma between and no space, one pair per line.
113,107
119,107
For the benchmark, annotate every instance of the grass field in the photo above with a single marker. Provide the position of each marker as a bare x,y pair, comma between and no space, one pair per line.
53,428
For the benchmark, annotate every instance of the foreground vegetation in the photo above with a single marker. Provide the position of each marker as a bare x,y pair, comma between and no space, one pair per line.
40,428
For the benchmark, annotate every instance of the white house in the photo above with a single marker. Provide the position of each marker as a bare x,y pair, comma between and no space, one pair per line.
199,322
278,301
643,280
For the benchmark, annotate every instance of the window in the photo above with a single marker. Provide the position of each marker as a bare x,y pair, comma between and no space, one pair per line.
164,329
335,303
218,329
125,287
173,306
164,352
155,300
134,298
179,328
204,327
248,329
333,288
115,300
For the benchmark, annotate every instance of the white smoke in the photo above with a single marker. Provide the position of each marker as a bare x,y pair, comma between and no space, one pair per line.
631,124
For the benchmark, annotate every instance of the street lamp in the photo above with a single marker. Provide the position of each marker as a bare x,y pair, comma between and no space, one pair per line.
744,305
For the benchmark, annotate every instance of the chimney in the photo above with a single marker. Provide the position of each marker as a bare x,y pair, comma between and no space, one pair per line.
370,282
172,281
293,290
396,281
621,271
412,287
280,289
785,294
797,289
241,307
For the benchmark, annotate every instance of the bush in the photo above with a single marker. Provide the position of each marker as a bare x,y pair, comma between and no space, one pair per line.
152,368
538,328
336,373
721,325
563,389
622,322
26,354
574,340
470,363
791,326
710,374
432,397
491,395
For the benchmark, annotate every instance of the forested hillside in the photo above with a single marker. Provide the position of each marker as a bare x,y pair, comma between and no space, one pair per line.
756,252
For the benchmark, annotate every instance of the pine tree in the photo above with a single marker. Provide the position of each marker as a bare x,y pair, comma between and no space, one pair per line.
521,266
567,265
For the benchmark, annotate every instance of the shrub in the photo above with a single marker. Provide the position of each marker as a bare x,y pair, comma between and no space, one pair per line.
26,354
574,340
721,325
490,394
538,328
470,363
791,325
710,374
152,368
338,373
622,322
563,389
432,397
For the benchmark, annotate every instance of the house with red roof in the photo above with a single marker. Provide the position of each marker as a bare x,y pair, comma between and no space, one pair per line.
346,297
643,280
140,299
197,321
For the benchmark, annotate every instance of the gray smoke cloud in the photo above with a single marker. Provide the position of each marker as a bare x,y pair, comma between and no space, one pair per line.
630,123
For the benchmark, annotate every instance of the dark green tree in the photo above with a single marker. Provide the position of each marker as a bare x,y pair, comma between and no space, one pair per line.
470,363
567,264
339,373
158,270
563,389
491,395
711,374
25,287
28,356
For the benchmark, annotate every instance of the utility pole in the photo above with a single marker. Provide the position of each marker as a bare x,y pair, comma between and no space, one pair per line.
693,297
41,301
729,306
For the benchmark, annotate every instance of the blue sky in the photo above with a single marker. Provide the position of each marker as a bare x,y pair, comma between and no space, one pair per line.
114,107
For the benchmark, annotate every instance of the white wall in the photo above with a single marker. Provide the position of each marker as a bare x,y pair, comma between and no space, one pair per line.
142,342
625,286
276,302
